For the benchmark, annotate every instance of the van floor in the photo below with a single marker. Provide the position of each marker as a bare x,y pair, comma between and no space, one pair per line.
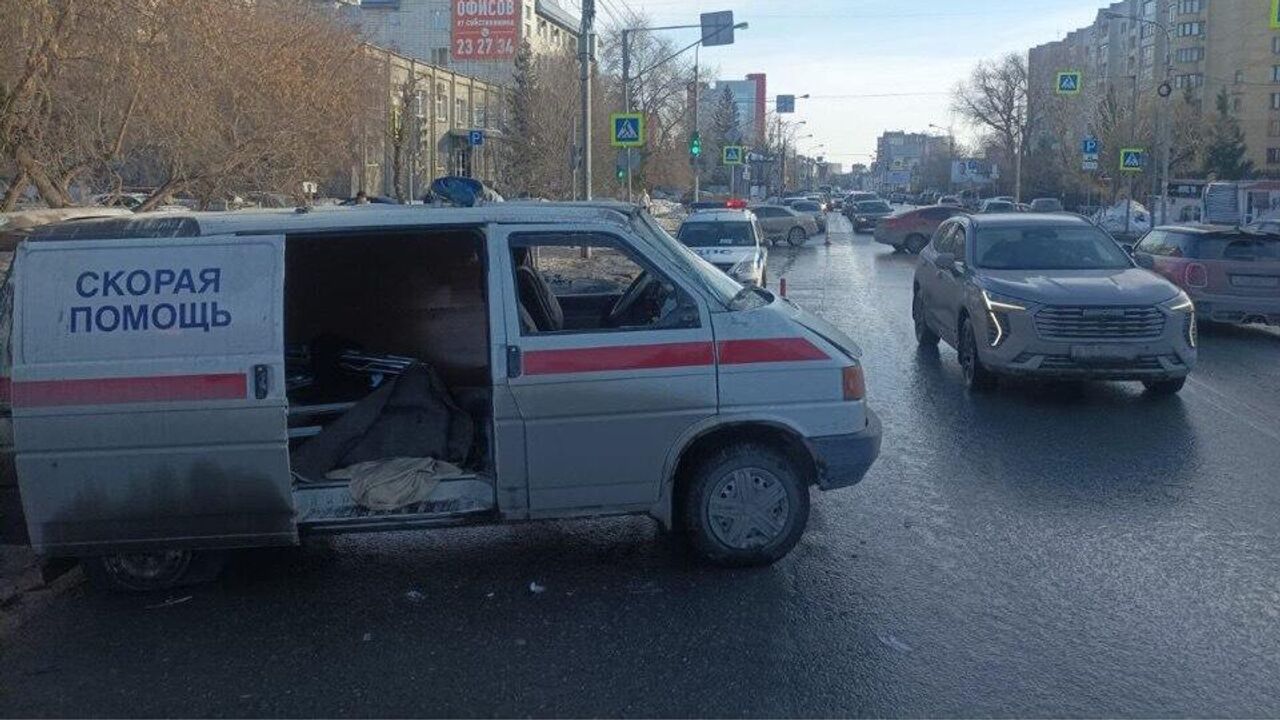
328,507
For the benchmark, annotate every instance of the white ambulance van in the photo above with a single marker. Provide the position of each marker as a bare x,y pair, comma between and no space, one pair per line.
183,384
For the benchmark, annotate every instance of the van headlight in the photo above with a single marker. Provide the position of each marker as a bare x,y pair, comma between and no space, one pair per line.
1181,303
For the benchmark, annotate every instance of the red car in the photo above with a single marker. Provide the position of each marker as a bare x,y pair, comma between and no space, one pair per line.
912,229
1231,274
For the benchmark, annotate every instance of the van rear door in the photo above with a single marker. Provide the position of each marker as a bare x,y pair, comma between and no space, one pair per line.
148,394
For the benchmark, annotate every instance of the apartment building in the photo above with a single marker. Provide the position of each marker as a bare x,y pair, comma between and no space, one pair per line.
1200,46
423,29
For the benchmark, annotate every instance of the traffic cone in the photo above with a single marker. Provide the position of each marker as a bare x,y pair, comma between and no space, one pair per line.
782,287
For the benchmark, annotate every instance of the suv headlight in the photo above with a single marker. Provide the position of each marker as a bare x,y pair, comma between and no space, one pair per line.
1180,303
997,306
743,270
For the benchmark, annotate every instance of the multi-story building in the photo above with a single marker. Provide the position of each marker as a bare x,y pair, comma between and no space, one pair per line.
1201,47
898,156
423,29
749,97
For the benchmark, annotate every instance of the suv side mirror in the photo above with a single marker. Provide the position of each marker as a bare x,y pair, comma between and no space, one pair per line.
945,261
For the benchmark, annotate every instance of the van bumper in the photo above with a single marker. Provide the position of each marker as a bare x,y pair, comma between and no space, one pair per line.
842,460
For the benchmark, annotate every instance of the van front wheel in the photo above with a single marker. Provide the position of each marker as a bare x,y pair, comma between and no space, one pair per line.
745,505
150,571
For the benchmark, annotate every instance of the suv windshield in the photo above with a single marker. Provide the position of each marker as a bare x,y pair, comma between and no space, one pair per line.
1041,247
707,234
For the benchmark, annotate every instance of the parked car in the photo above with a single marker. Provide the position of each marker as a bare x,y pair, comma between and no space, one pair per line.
1232,274
634,378
950,200
867,213
996,205
1049,296
813,210
858,196
783,223
1046,205
910,230
731,240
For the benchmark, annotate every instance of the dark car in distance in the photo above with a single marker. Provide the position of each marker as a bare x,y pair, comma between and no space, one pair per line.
867,213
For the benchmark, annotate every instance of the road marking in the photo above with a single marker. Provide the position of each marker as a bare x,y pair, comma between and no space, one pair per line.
1256,418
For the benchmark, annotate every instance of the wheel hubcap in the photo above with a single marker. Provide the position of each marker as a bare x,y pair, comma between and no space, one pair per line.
748,508
149,567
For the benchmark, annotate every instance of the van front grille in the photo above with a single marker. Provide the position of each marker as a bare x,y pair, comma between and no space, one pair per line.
1085,324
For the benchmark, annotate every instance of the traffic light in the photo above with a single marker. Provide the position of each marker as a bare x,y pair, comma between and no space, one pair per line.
695,144
622,174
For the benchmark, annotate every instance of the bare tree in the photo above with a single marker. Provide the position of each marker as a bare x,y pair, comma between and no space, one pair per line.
994,99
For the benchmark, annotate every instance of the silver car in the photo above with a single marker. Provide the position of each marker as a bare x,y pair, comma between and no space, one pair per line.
1050,296
783,223
814,210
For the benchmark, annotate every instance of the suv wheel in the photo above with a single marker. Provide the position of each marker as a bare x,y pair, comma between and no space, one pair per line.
915,243
744,505
796,237
976,377
924,334
1165,387
151,571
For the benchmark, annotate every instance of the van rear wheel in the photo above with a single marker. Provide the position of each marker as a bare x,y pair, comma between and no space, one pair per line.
745,505
150,571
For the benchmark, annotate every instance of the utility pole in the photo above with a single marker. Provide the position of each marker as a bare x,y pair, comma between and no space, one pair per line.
584,76
697,171
626,93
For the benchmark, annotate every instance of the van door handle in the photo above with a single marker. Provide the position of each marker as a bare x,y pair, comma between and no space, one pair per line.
513,361
261,381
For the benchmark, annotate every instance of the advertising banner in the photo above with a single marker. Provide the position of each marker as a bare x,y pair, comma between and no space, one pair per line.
485,29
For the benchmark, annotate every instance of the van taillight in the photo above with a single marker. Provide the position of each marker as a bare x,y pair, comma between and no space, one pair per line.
853,383
1195,275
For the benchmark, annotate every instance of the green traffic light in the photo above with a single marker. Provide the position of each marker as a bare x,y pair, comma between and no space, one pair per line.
695,145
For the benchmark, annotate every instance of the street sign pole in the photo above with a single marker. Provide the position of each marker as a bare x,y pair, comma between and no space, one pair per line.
584,80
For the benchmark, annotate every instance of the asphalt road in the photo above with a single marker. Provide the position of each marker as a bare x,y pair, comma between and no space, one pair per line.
1039,551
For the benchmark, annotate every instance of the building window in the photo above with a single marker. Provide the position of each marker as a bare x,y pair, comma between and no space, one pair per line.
1239,77
1188,7
442,103
1273,129
479,115
1273,156
1275,45
1275,101
459,112
1191,54
1189,29
440,56
1188,81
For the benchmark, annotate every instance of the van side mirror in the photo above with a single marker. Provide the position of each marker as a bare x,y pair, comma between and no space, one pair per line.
945,261
1143,260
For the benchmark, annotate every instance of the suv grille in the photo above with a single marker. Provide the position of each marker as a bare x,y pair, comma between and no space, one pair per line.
1073,324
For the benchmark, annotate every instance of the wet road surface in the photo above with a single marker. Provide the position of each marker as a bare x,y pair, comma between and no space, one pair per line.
1038,551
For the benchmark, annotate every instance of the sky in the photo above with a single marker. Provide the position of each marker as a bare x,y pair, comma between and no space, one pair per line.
911,53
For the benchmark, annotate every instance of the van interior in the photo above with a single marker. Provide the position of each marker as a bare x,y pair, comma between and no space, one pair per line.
387,364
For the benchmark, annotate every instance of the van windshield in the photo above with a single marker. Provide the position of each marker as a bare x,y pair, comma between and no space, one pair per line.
719,285
1041,247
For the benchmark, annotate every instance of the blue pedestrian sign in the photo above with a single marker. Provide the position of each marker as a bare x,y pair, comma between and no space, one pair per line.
475,137
1068,82
1132,159
785,104
1089,146
734,154
627,129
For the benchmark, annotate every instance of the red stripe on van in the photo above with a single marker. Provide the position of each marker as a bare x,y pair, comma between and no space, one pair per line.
624,357
735,352
107,391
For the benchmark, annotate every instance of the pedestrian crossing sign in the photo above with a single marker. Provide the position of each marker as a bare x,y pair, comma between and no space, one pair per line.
1069,82
628,129
733,154
1132,159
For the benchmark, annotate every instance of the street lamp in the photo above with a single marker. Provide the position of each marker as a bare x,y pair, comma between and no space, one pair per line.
1162,122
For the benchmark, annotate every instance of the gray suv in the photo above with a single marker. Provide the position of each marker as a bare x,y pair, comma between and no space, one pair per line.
1049,296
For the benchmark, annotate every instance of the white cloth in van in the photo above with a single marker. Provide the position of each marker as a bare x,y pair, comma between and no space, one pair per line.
395,483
